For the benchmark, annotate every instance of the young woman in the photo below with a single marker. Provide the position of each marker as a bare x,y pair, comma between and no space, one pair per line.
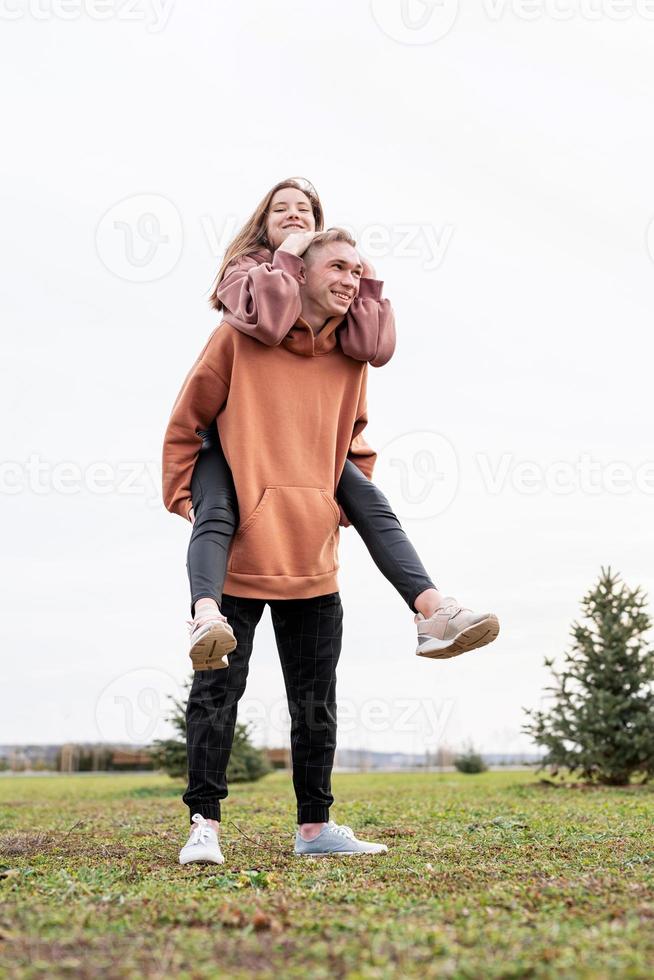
258,290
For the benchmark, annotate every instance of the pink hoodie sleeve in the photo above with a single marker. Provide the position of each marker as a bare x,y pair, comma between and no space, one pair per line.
262,299
368,333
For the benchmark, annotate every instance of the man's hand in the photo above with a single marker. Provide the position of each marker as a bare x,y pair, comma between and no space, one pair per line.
297,243
191,516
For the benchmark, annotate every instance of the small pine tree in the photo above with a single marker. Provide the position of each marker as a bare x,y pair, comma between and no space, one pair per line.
246,762
601,724
470,761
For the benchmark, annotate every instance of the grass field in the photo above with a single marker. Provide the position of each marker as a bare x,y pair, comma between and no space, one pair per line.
487,876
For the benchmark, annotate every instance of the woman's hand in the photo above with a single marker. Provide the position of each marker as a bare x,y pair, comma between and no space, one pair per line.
297,242
191,515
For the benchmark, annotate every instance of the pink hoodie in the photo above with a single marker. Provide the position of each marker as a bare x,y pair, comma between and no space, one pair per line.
261,296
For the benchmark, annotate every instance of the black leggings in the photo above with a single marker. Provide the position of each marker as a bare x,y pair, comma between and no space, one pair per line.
216,519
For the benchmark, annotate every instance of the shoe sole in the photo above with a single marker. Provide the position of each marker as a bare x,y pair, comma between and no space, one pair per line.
209,653
201,861
337,853
330,854
468,639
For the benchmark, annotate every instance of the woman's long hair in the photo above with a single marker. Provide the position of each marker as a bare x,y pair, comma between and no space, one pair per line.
252,237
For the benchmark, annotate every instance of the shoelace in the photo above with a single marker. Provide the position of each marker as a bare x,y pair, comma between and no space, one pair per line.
449,605
341,829
201,833
193,624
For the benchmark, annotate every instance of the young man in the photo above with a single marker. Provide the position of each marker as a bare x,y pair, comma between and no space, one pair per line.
288,418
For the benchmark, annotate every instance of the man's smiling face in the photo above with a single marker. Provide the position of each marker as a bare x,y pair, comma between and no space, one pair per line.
333,275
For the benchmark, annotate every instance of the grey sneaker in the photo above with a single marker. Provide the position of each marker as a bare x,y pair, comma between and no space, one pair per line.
335,839
211,639
452,630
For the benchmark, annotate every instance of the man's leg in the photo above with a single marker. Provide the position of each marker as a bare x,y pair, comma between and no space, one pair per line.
309,634
211,712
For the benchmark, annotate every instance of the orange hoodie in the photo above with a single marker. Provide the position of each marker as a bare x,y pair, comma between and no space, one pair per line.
288,418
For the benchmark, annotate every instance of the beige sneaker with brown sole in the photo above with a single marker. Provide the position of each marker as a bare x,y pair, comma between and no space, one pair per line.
453,630
212,638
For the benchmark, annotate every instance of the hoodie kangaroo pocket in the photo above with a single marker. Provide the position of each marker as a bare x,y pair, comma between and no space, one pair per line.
291,531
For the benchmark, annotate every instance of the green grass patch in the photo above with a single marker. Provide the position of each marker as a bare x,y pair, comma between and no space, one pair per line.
493,875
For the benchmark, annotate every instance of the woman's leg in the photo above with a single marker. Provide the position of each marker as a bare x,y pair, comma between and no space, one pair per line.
370,513
445,629
216,518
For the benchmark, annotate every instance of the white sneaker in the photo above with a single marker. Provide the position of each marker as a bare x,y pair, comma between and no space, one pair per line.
453,629
212,638
202,845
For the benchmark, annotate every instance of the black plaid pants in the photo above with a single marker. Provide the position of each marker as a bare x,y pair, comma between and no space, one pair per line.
308,633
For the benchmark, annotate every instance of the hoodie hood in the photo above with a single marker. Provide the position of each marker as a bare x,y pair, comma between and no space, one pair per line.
301,339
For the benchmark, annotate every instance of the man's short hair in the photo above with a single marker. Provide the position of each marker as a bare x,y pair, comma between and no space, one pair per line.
330,235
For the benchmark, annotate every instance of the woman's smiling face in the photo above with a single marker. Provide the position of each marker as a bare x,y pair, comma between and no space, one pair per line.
290,211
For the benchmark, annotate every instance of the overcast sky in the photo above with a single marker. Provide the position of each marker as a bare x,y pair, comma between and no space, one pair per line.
495,165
